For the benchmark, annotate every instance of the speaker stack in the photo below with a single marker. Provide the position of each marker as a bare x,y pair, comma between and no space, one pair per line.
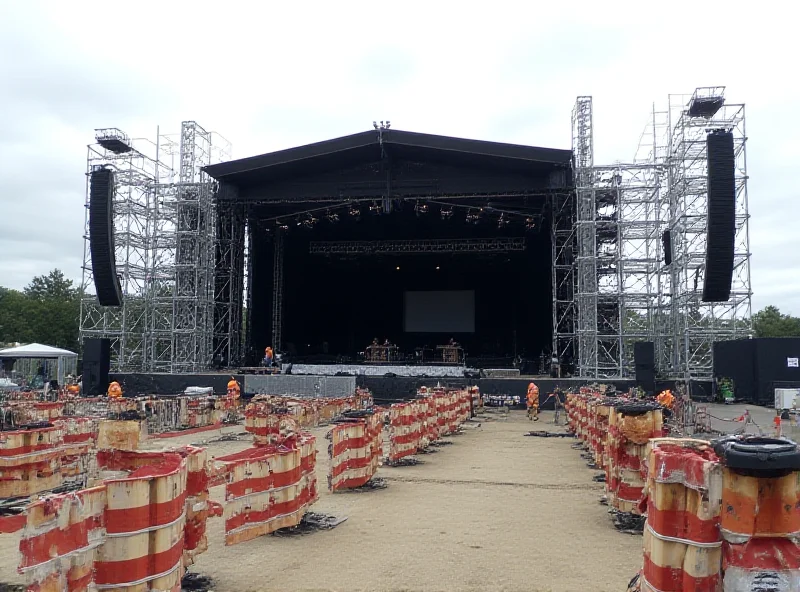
644,359
721,226
101,237
96,366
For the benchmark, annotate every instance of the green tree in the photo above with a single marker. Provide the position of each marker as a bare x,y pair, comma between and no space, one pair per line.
46,312
770,322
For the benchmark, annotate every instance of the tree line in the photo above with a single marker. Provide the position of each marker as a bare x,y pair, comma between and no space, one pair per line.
48,309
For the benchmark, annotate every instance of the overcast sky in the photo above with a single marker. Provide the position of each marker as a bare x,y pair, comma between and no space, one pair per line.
274,75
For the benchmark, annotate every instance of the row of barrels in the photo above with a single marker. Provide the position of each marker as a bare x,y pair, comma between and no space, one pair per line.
433,415
135,528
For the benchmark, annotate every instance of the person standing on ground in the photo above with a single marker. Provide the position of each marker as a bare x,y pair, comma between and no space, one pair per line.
533,402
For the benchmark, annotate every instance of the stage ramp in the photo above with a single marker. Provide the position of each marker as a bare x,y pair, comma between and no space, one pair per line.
300,386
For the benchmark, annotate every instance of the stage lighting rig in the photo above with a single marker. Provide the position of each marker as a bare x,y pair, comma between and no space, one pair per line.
281,225
310,222
421,208
502,221
355,213
332,217
446,213
375,208
530,224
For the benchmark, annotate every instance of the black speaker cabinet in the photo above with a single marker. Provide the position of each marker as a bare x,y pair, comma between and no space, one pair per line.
101,237
666,242
721,226
96,366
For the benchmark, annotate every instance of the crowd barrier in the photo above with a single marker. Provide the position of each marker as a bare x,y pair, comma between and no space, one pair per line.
136,529
630,427
760,524
355,451
405,430
268,487
30,461
682,543
307,413
414,425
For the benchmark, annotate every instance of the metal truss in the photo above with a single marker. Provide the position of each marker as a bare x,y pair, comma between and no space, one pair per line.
563,249
401,247
617,229
165,231
277,291
134,198
691,326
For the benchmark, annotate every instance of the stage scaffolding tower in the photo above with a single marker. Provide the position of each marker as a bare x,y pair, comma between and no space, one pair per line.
618,254
690,326
165,230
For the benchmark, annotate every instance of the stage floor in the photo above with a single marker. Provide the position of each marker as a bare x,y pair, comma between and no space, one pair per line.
378,370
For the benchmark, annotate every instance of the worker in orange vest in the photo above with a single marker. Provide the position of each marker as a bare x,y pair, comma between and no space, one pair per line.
533,402
234,392
114,390
268,357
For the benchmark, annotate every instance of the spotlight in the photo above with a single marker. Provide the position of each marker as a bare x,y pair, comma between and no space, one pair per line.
437,267
375,208
474,216
421,208
530,224
332,217
355,212
309,222
397,268
446,213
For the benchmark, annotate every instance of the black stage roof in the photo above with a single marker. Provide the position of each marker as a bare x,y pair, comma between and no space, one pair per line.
316,161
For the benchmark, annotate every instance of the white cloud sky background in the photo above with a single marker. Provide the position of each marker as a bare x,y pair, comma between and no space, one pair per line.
269,76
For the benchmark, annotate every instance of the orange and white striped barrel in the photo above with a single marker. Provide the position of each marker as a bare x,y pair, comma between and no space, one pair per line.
197,506
760,506
352,456
673,566
30,461
770,564
60,539
684,487
264,492
404,430
144,520
119,435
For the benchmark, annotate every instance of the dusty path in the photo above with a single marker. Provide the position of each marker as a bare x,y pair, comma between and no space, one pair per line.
493,511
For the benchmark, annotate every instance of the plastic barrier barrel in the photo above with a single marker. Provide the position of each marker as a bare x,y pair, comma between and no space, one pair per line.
760,511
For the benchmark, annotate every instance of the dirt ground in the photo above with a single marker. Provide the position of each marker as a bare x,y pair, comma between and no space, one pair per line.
493,511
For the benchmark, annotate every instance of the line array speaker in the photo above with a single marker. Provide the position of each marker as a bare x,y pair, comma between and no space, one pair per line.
721,226
101,237
666,241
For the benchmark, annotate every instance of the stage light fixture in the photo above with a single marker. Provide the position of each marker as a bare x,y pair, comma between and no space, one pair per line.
446,213
375,208
437,267
502,221
310,222
421,208
397,268
355,212
530,224
332,217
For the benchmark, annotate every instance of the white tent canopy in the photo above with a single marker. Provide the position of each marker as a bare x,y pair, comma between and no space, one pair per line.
35,350
66,360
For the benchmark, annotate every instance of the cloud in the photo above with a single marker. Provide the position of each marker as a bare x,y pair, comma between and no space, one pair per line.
273,76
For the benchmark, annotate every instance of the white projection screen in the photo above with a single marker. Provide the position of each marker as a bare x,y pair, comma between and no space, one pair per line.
451,311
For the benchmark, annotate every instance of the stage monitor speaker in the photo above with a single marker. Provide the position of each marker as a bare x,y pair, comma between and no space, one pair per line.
721,225
666,241
101,237
96,366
